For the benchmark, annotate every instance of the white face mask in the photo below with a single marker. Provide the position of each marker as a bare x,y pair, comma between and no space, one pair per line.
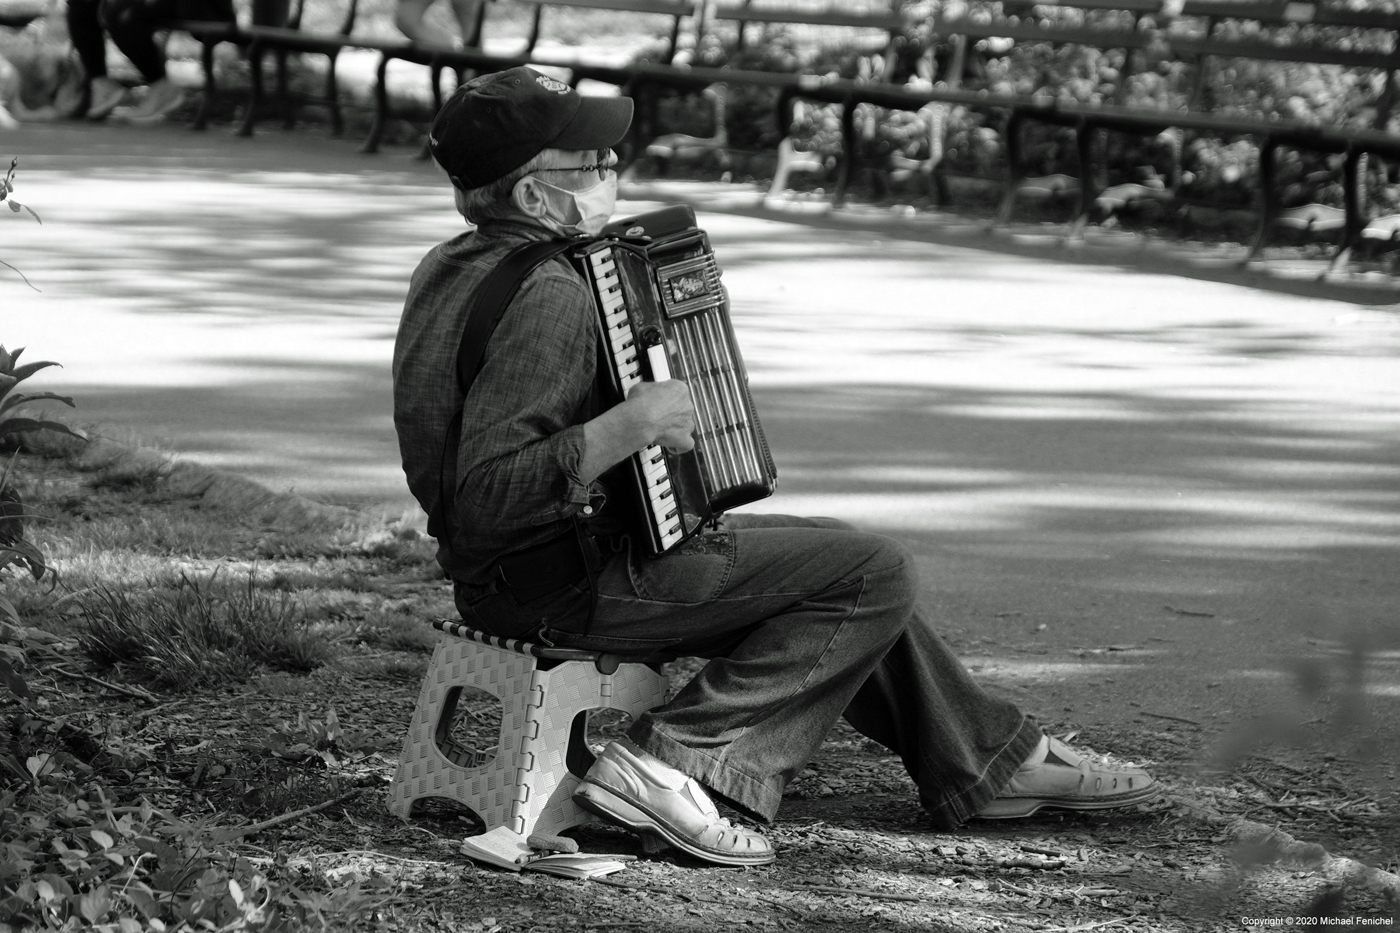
584,211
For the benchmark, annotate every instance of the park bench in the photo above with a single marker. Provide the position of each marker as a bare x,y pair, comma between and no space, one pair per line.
879,29
1196,35
1363,42
473,59
275,25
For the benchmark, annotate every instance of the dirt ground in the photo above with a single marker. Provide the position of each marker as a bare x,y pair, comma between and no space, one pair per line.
855,852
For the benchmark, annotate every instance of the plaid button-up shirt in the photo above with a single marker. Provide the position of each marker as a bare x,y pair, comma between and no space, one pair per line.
516,473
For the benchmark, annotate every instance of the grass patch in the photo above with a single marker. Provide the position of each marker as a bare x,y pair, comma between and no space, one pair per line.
199,631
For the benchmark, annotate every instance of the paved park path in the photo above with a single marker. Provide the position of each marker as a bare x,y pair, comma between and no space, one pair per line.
1133,495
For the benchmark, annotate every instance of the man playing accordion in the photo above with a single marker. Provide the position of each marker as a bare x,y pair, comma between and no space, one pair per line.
802,620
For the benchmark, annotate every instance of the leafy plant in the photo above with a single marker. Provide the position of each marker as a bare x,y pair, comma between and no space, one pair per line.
15,550
11,375
74,861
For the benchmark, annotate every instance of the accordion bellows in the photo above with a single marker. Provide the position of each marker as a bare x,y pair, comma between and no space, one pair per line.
662,314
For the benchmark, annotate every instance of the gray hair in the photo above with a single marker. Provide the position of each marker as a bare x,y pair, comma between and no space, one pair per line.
492,201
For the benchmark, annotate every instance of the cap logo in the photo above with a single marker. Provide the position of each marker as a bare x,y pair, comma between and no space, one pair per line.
552,84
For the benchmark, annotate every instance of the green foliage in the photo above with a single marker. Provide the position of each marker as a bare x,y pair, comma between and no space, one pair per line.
7,187
11,375
73,860
15,549
199,631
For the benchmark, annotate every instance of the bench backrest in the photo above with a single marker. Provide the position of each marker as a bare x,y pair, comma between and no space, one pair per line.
1287,31
1201,32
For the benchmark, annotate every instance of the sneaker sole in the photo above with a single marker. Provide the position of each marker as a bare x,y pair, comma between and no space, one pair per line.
158,116
599,800
1011,808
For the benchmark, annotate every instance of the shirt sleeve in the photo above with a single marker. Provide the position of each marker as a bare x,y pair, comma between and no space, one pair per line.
522,424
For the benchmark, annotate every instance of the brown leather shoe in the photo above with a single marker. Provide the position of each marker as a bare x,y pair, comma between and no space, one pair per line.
636,791
1058,776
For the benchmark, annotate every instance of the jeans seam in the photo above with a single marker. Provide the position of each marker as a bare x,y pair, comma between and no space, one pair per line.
982,777
826,649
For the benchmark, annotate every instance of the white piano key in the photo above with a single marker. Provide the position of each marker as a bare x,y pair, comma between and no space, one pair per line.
622,341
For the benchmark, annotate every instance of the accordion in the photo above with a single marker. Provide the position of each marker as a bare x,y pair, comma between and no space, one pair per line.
663,315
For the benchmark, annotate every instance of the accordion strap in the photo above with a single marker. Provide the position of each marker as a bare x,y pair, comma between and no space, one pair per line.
487,306
491,299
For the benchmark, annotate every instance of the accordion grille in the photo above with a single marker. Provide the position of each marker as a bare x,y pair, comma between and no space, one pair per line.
724,435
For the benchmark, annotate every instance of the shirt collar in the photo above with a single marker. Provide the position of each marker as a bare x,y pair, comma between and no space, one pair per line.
515,228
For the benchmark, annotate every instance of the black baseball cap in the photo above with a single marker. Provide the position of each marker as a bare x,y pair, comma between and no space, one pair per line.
496,123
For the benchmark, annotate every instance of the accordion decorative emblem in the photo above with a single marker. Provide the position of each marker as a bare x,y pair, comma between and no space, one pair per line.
663,314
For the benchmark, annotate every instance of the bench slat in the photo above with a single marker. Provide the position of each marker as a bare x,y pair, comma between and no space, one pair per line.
744,14
1291,11
1268,51
1000,29
1284,11
661,7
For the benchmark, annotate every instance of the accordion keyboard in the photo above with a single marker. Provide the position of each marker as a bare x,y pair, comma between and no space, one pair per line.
618,337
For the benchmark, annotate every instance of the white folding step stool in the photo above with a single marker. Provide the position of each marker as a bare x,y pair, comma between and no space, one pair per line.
526,784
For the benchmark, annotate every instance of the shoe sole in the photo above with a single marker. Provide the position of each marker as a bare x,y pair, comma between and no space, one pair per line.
599,800
97,114
145,119
1011,808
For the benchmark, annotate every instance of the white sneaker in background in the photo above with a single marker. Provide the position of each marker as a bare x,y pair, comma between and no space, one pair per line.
105,95
160,100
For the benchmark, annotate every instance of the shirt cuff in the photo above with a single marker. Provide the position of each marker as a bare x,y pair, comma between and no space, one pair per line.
573,494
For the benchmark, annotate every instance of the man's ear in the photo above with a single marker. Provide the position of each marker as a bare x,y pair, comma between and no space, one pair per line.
529,198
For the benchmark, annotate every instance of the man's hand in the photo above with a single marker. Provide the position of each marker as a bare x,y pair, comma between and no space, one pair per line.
654,413
665,408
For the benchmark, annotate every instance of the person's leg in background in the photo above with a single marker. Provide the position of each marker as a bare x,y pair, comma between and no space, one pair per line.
85,31
409,14
132,24
468,13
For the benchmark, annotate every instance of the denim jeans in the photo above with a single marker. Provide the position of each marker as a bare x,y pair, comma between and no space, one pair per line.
803,621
